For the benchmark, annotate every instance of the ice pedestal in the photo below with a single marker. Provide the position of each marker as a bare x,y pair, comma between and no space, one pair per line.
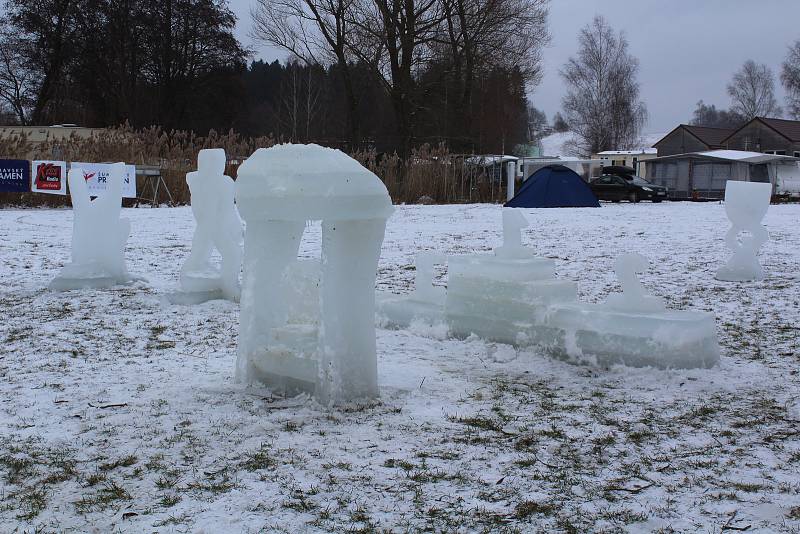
746,203
667,339
99,235
330,353
217,226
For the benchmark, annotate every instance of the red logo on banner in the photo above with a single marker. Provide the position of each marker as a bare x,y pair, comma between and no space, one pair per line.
88,175
48,177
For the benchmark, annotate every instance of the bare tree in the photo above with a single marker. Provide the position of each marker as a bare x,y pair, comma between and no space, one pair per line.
479,35
17,79
317,32
395,37
602,105
790,76
752,91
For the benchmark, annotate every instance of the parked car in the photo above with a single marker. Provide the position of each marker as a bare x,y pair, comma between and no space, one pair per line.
633,188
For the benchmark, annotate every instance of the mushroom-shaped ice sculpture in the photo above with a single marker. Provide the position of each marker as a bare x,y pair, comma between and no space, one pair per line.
278,191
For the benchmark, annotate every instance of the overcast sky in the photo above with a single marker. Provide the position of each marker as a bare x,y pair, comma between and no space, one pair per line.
688,49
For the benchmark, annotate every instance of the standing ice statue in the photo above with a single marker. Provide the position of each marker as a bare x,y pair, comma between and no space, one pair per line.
746,203
218,226
278,190
98,235
512,247
634,297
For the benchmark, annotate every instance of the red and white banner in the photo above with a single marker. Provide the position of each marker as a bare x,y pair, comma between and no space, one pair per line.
96,176
49,177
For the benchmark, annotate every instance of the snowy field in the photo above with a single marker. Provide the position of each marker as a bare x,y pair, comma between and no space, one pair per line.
118,412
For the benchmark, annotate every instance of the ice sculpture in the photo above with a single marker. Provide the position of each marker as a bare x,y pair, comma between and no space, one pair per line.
746,203
98,235
634,328
500,297
278,190
504,297
513,297
425,303
634,297
217,226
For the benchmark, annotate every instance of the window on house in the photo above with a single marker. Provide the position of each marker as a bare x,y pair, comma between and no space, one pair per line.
775,152
796,154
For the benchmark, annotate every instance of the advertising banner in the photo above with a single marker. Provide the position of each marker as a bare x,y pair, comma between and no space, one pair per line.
96,176
49,177
15,175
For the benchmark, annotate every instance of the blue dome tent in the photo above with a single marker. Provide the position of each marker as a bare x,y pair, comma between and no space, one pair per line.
554,186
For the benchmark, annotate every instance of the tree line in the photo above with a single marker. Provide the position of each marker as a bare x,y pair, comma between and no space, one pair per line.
382,73
387,75
752,94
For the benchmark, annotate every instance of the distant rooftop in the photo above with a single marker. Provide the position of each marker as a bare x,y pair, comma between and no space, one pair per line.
628,152
732,155
787,128
707,134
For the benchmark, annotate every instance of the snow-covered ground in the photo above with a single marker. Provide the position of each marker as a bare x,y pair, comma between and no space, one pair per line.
555,144
118,412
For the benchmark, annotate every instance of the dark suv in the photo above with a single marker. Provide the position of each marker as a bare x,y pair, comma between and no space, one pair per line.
630,187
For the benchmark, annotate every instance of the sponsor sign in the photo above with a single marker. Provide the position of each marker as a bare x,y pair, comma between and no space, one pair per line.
15,175
49,177
96,176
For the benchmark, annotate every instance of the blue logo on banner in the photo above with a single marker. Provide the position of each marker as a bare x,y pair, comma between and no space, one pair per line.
15,175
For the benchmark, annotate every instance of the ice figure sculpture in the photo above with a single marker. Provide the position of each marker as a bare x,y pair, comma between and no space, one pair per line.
217,226
746,203
278,190
513,223
98,235
634,328
634,297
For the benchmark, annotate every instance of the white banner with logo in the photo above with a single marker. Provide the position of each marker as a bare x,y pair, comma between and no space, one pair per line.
96,176
49,177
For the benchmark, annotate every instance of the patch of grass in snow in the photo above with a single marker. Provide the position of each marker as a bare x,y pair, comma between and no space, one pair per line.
483,423
167,501
259,459
17,469
125,461
31,503
108,494
527,508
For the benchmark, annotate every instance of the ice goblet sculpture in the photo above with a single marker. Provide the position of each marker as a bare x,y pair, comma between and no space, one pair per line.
746,203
